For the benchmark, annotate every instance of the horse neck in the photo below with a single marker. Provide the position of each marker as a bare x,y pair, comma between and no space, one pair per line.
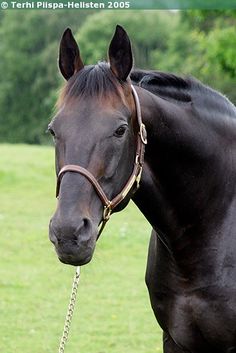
185,187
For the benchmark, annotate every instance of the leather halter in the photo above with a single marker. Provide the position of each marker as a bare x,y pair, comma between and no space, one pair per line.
133,180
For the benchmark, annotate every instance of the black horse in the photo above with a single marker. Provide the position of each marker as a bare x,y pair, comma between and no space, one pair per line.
187,190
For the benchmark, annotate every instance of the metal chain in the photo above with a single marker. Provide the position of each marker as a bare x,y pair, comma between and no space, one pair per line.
70,311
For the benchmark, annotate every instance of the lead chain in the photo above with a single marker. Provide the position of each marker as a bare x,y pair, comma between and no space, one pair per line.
70,311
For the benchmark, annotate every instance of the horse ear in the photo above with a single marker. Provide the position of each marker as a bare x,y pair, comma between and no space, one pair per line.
120,54
69,55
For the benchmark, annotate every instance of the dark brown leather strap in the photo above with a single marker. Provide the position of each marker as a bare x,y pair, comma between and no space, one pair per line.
133,179
88,175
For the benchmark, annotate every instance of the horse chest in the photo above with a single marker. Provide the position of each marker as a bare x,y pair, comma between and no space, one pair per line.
199,317
198,322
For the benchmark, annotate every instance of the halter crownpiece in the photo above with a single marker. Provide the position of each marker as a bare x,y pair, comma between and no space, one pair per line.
110,205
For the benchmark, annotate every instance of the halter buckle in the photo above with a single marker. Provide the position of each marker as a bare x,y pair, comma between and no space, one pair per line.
107,212
138,177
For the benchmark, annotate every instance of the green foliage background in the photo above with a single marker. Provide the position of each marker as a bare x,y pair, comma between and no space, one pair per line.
198,43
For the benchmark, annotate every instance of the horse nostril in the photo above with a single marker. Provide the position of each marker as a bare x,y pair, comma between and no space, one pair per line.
86,223
84,227
61,234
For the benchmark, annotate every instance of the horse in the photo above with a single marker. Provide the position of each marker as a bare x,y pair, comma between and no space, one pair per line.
169,144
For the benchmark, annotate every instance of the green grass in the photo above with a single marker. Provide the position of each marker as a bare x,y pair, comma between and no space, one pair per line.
113,313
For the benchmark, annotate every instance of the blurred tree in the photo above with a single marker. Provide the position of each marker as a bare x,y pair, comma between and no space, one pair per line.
28,71
215,33
205,20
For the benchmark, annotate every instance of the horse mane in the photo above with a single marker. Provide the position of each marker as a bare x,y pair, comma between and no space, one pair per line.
165,85
183,90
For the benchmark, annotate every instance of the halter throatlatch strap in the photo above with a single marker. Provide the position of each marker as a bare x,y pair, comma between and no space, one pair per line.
134,179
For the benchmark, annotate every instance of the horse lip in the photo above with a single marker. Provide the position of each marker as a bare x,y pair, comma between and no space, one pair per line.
75,262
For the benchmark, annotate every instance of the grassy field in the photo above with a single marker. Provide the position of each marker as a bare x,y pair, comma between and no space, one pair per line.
113,313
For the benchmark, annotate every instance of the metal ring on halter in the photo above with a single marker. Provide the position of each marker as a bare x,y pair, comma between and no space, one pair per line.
143,134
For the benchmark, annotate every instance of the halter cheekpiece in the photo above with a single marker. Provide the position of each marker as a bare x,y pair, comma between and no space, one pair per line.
134,179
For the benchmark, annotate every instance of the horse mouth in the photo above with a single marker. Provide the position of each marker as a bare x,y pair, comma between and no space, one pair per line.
74,254
70,260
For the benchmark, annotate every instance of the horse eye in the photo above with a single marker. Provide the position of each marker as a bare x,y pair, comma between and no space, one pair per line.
120,131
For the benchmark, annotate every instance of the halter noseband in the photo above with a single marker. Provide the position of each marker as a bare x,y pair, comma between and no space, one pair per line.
135,177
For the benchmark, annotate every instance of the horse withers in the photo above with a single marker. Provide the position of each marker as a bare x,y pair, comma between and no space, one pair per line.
187,187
